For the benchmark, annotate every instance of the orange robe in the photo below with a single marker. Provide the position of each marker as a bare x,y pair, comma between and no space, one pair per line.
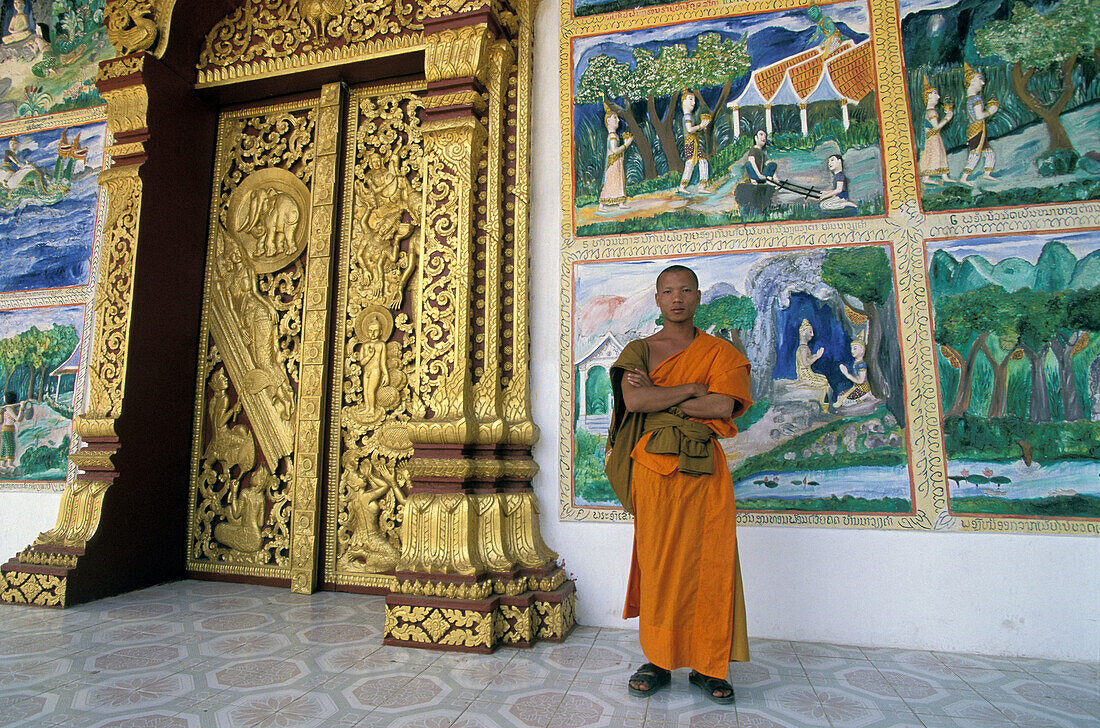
685,577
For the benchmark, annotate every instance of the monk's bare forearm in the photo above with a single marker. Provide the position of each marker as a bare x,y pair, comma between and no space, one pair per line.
656,398
709,407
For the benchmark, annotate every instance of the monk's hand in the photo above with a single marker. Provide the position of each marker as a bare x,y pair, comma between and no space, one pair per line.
638,378
700,390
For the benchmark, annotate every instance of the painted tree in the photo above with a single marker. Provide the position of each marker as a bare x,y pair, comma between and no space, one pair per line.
1081,316
657,76
10,359
966,322
33,344
727,316
1039,316
865,282
717,62
1031,41
606,80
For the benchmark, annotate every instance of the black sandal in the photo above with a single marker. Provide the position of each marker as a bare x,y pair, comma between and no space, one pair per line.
709,684
654,678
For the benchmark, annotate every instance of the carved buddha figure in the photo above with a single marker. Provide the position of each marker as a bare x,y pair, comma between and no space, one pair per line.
372,358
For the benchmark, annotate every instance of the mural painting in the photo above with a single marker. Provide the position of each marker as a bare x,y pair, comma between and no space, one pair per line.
751,118
48,202
39,362
1017,325
49,55
826,432
1004,101
52,134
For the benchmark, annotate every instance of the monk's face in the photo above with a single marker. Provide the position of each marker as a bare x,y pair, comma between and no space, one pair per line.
677,296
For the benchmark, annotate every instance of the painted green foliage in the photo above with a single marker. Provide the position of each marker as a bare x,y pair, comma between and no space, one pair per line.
54,69
1032,41
32,354
1019,345
662,76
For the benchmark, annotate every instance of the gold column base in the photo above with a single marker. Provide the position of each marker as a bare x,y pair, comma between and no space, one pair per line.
481,625
32,586
474,571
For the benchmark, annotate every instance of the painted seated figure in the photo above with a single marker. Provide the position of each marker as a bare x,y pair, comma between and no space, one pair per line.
806,377
860,392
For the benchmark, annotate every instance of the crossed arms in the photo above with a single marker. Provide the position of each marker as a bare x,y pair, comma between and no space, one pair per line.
640,394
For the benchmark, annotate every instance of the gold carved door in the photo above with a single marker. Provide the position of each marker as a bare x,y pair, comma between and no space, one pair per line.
298,469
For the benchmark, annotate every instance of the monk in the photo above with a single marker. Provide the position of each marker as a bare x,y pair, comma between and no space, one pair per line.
675,392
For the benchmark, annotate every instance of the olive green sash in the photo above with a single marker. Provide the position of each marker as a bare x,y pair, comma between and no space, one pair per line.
675,434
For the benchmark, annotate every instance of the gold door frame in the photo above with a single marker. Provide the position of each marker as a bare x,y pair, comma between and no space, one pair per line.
470,530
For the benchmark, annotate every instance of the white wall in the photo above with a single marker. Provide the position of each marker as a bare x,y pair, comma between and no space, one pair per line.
987,593
22,517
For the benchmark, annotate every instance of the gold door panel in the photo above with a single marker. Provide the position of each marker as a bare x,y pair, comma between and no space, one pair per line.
259,398
293,411
373,356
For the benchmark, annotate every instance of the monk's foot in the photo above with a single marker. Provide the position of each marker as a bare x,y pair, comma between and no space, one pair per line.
714,688
648,679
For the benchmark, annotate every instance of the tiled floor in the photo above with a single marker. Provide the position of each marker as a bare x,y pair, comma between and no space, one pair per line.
196,654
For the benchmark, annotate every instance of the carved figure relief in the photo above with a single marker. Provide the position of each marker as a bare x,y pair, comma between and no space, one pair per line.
231,444
267,213
254,311
373,326
371,486
378,352
244,515
385,209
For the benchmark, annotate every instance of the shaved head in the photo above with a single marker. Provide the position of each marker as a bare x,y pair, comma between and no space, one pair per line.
678,269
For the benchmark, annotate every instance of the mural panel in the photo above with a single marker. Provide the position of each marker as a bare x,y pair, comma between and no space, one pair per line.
826,432
49,56
48,196
1017,325
924,348
1003,96
746,118
40,358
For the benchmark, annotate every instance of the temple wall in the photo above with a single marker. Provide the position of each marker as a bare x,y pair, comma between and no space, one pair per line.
25,515
1012,594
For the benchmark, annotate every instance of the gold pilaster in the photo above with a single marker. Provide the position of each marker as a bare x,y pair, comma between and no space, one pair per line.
474,572
306,520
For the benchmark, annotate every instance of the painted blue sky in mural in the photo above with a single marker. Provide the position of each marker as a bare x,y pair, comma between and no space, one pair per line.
47,231
627,278
1027,247
16,321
